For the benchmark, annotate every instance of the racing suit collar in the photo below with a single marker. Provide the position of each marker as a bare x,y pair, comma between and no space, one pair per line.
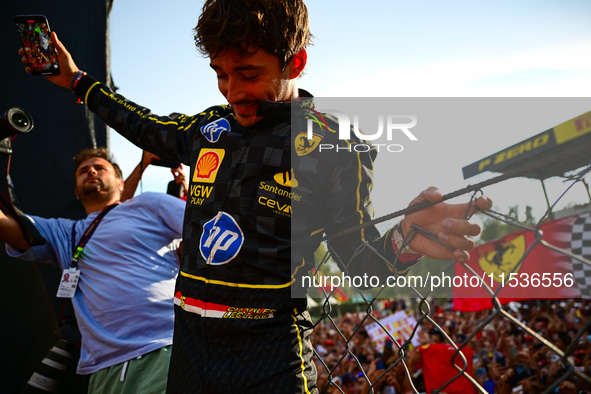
283,109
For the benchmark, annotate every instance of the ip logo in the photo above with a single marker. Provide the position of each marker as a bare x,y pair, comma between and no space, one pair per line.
212,131
221,239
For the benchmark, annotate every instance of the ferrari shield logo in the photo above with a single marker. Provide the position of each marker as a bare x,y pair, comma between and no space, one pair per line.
303,145
504,259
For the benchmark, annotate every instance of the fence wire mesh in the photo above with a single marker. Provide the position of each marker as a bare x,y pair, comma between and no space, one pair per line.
532,345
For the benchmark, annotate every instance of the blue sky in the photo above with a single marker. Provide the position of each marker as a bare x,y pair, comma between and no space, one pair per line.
380,49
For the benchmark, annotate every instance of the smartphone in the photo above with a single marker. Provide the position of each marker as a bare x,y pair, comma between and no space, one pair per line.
34,33
499,358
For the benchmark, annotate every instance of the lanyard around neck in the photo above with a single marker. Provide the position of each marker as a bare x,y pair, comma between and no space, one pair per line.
77,251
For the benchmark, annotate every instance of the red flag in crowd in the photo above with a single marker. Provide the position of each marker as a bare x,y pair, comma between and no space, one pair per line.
438,368
520,267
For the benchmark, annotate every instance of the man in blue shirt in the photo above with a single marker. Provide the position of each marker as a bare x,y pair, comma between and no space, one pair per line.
126,273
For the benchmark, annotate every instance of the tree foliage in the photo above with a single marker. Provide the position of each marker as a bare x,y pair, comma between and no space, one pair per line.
494,229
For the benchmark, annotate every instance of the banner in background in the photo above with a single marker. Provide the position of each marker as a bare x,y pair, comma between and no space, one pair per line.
521,266
400,325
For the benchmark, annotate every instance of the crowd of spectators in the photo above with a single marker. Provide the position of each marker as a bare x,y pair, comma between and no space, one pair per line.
504,357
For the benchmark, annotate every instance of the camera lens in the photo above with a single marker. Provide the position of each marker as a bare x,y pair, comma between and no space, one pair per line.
20,120
52,369
15,120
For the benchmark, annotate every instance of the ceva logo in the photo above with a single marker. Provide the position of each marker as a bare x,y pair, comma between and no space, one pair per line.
221,239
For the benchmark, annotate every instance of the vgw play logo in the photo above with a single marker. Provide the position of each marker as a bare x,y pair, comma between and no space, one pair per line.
388,124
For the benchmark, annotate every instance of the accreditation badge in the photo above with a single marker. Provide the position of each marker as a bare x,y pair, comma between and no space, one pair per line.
68,283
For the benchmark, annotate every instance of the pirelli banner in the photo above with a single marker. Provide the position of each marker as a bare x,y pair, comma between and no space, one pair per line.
538,149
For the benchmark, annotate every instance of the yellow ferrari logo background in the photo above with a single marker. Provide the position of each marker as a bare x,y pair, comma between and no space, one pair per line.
303,145
504,259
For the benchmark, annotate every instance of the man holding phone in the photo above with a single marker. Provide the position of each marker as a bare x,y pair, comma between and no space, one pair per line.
237,327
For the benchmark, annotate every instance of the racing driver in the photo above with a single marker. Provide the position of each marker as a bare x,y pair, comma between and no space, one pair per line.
237,326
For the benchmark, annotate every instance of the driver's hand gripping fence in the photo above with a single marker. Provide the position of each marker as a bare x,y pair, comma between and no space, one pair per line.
372,380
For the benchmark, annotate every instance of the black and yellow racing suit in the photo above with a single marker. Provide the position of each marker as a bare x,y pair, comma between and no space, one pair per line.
238,328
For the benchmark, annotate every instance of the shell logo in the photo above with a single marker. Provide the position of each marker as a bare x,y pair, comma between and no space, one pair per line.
208,164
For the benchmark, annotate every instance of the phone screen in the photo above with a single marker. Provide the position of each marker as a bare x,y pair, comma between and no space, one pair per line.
34,33
499,358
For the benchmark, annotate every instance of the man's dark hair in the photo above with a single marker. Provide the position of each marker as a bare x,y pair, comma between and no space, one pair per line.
97,152
437,331
279,27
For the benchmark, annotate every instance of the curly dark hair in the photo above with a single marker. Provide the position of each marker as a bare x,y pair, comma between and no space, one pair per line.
279,27
97,152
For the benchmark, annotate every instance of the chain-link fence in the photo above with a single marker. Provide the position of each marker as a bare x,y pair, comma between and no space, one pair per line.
425,341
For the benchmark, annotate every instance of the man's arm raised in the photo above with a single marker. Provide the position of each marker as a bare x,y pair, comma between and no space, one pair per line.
12,234
136,175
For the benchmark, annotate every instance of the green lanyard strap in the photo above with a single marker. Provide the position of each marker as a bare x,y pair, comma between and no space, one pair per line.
79,248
